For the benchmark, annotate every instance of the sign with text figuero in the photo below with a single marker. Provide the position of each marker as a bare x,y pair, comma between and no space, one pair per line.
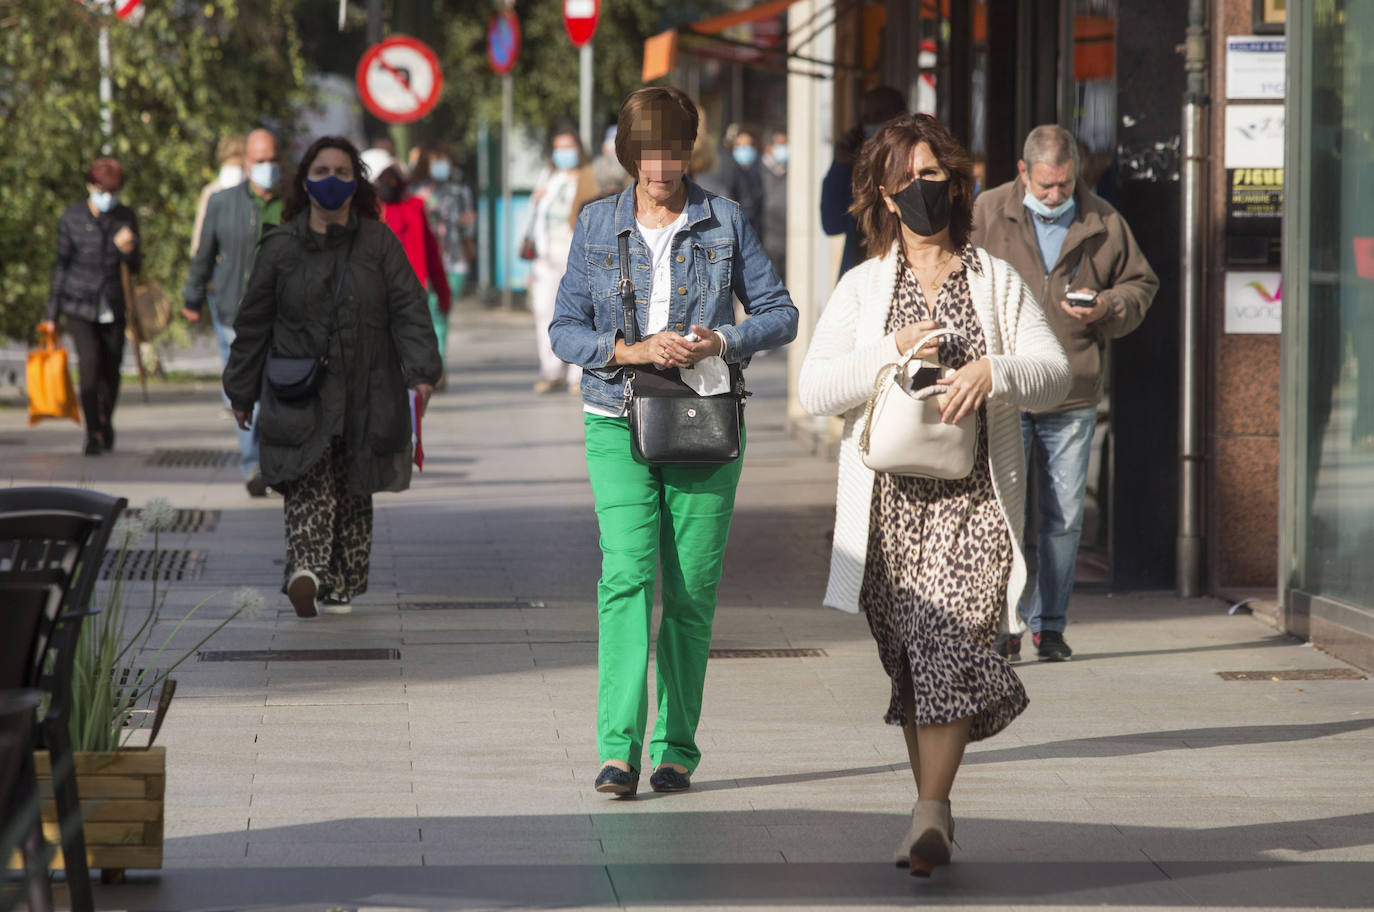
580,18
399,79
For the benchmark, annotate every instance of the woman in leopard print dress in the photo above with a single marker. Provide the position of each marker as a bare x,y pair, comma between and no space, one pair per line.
935,565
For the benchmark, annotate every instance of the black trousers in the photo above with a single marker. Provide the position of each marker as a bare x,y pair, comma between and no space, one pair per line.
99,349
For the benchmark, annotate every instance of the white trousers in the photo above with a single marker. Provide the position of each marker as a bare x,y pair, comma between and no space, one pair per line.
545,275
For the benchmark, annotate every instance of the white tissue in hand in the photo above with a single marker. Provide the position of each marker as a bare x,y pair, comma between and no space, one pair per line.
709,376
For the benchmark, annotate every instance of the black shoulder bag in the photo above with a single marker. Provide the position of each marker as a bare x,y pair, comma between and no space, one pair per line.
670,423
294,379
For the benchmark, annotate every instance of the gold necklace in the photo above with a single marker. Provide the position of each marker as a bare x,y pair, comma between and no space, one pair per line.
938,269
663,218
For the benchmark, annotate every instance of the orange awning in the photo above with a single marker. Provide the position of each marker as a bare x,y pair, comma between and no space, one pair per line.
717,24
661,51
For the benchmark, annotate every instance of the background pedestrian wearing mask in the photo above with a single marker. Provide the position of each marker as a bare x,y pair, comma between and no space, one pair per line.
332,281
550,229
742,178
773,170
229,157
94,238
407,217
1063,238
235,219
438,183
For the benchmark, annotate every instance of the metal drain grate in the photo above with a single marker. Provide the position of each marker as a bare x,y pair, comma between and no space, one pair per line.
186,520
468,606
767,653
1298,674
171,564
194,459
299,655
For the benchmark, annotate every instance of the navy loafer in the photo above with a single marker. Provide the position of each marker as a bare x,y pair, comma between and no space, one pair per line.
619,782
667,779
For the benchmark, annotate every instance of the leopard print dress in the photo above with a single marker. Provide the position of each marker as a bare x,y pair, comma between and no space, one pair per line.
940,555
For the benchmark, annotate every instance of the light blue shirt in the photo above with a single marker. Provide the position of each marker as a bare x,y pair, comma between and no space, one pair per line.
1051,236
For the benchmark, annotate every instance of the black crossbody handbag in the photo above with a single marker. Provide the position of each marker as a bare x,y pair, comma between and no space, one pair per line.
294,379
670,424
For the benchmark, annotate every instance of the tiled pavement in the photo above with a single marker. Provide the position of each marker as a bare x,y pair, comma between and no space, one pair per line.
457,774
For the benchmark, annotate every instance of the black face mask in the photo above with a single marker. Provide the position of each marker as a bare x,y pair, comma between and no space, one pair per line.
924,206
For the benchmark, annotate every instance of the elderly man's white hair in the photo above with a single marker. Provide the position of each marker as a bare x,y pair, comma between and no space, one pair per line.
1050,144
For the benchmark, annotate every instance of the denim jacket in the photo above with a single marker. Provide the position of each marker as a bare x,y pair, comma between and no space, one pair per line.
717,258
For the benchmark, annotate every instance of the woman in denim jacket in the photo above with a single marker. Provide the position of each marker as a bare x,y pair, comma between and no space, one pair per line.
691,255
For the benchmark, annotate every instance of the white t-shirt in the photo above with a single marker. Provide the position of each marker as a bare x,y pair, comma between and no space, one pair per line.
660,242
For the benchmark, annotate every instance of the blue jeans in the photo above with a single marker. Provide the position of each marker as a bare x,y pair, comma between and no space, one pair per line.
248,440
1061,443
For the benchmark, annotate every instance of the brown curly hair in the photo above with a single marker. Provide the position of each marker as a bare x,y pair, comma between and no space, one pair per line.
885,164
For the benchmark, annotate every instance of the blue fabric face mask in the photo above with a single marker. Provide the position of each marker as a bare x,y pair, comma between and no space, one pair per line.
331,193
745,155
265,174
1045,212
565,159
780,153
440,170
104,200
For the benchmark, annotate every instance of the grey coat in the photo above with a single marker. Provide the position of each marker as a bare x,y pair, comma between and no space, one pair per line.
224,259
382,344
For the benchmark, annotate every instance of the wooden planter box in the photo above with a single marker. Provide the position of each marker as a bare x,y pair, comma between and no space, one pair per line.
121,807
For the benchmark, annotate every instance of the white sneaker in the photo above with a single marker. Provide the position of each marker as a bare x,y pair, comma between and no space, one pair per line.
301,589
333,605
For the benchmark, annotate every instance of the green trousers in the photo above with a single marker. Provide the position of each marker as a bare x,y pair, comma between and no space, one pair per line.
673,519
440,325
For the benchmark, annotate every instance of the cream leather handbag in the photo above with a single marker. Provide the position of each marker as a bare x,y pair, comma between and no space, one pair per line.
903,433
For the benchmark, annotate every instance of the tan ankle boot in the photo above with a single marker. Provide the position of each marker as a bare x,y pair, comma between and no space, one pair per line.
931,836
902,855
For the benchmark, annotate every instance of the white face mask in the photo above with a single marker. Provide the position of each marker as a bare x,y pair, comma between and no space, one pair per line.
1045,212
104,200
265,174
230,175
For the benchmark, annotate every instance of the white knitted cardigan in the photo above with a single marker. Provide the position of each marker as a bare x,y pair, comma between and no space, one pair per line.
849,348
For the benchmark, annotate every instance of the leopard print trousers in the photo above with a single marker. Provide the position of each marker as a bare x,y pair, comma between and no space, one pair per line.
328,530
939,559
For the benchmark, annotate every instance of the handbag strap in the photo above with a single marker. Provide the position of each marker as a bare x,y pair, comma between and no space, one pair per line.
627,293
921,343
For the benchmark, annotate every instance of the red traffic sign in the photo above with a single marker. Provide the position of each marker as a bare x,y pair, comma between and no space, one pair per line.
580,18
503,41
399,80
125,8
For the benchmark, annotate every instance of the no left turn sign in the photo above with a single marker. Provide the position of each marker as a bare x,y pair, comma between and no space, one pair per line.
399,80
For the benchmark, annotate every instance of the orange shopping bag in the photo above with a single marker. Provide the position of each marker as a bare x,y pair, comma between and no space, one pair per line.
50,383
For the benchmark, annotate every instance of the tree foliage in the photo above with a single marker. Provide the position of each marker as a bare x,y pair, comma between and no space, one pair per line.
187,74
194,70
545,77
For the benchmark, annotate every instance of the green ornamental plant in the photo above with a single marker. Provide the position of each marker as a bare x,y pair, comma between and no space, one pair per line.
106,690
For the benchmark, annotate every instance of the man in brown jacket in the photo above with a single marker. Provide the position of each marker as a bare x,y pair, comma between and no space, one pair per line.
1077,254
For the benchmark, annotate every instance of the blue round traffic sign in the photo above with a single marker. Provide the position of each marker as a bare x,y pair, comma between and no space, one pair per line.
503,41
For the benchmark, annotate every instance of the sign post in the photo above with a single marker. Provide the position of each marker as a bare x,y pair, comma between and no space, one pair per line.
503,46
399,80
579,21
